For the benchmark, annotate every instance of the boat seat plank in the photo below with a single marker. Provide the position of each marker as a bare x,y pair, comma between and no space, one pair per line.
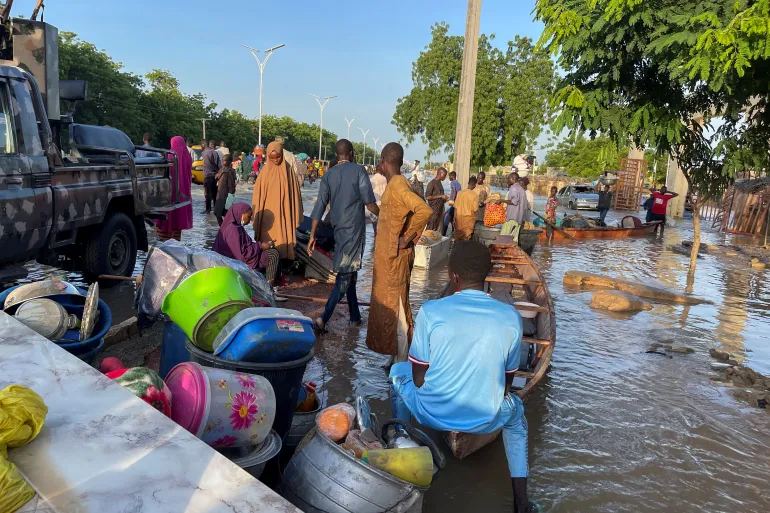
522,374
496,278
538,341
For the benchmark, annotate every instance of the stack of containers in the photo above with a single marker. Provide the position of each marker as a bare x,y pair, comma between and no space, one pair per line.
69,298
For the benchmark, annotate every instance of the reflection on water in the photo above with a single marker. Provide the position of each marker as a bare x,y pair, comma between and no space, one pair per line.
611,427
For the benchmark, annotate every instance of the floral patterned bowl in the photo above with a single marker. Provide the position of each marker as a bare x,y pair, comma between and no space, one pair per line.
221,407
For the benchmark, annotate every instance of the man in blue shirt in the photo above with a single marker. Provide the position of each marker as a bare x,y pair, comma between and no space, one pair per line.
460,371
346,187
454,188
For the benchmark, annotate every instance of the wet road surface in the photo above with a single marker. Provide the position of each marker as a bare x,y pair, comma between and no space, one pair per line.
611,428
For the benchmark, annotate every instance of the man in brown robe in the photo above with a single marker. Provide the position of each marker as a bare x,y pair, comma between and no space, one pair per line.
466,206
436,198
402,219
277,203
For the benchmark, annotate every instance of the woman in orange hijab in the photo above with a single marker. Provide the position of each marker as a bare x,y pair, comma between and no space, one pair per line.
277,203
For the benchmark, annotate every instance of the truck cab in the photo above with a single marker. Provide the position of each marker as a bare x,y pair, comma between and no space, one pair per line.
69,191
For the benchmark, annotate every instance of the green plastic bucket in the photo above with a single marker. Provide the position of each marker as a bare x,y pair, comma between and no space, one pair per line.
204,302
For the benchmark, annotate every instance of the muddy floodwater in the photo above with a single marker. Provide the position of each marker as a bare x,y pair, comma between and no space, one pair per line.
611,428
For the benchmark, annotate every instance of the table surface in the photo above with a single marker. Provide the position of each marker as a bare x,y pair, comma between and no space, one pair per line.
104,450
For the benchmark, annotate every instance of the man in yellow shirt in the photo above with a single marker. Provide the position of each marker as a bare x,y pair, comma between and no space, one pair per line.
466,206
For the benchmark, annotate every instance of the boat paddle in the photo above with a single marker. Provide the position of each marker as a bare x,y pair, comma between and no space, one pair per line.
570,237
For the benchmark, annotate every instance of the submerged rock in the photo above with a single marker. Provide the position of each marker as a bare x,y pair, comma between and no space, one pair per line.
589,280
617,301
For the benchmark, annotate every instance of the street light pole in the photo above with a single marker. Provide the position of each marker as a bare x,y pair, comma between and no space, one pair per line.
204,126
261,65
349,123
322,105
375,149
363,159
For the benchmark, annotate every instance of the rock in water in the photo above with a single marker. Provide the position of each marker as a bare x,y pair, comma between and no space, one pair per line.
616,301
589,280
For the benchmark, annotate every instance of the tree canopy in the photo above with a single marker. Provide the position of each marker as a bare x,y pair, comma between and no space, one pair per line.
155,104
687,77
511,104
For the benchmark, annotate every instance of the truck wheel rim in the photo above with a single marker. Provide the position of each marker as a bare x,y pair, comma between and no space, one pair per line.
118,246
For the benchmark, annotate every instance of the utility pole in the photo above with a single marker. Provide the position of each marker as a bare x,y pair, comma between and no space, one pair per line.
463,132
349,123
363,159
261,65
322,105
204,126
375,149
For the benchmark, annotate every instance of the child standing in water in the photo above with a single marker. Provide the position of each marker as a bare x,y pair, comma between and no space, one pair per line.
550,211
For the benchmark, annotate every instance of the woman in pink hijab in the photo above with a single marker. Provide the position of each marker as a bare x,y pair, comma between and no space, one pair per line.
181,218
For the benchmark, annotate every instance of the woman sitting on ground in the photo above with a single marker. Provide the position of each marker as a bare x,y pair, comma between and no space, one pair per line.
233,242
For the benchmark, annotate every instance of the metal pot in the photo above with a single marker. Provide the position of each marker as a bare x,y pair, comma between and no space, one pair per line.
46,317
323,478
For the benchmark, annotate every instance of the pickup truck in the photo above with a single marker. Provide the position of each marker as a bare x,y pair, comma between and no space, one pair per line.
69,191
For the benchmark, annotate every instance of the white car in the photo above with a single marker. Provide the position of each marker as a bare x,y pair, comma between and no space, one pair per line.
578,197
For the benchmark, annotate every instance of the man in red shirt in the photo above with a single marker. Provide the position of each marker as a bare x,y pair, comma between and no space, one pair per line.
660,201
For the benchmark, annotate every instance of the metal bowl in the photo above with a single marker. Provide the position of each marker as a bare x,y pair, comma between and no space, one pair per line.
38,289
609,181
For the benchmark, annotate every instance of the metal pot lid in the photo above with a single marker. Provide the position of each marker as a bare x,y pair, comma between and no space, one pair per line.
38,289
90,312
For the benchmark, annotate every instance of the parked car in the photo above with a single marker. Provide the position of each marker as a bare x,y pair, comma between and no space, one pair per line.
578,197
197,168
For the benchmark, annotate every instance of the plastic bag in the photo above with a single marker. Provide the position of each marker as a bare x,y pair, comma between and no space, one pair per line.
14,490
670,222
494,214
359,442
170,263
335,421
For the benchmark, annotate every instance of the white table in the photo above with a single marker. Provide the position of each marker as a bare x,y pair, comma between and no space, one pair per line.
104,450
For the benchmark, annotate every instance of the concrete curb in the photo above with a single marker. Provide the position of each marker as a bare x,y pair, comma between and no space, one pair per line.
122,332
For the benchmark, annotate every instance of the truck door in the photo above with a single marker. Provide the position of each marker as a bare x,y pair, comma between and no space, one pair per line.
24,218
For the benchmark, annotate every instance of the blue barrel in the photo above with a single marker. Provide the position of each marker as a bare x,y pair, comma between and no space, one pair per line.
172,350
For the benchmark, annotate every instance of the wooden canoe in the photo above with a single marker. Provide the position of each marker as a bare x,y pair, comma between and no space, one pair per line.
601,233
515,277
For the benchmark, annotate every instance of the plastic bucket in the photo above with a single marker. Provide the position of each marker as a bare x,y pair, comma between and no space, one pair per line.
89,356
204,302
265,335
254,459
485,234
221,407
172,350
285,377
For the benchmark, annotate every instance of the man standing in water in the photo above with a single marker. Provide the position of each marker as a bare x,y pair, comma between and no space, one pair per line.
212,162
347,188
403,215
660,201
605,200
460,371
466,206
454,188
436,198
516,201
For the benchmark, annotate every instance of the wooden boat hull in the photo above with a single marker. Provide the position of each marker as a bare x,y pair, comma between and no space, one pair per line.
601,233
515,277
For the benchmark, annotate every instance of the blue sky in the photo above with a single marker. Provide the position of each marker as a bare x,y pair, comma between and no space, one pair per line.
360,51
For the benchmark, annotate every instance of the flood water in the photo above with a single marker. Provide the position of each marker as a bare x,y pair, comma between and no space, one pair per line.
612,428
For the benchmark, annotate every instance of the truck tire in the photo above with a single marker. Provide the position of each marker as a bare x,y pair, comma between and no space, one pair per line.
112,249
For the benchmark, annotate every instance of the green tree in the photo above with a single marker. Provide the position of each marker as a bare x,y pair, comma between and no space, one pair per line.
660,73
581,157
114,95
510,104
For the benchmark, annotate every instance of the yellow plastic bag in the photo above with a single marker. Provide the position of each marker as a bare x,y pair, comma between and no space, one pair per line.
15,492
22,414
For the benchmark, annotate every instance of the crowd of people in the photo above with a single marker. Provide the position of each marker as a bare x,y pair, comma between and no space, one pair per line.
425,355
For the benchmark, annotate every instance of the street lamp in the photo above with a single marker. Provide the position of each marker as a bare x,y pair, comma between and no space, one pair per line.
349,123
363,159
375,149
322,105
261,65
